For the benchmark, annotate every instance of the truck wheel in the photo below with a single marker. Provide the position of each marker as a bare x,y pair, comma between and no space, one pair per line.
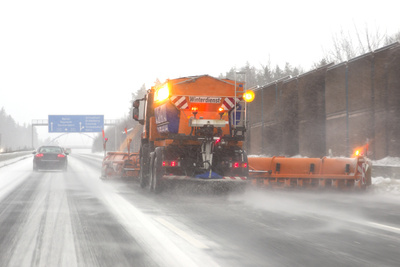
246,170
144,166
143,178
158,171
151,172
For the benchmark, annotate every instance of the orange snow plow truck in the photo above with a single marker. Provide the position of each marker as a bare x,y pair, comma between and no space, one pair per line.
194,130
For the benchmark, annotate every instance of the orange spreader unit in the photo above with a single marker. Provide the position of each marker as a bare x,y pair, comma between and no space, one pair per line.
120,164
337,173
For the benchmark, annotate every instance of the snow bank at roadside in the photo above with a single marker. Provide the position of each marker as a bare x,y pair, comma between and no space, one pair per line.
385,185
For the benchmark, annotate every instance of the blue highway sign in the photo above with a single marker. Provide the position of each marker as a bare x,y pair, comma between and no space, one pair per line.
76,123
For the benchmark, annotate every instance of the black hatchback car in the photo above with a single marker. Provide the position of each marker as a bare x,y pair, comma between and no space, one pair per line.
50,158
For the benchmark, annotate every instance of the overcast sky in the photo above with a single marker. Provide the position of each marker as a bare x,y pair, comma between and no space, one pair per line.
86,57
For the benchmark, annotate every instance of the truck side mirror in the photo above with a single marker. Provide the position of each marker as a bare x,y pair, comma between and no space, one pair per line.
138,110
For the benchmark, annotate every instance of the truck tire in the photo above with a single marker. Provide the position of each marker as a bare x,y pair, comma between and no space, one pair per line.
144,166
151,172
158,171
246,170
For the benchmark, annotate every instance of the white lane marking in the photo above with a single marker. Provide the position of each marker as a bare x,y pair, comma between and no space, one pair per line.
151,237
384,227
182,234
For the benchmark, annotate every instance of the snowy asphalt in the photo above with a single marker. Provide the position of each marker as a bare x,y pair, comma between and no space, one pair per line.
76,219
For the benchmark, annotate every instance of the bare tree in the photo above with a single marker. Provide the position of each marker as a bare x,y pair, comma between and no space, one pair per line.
392,39
347,45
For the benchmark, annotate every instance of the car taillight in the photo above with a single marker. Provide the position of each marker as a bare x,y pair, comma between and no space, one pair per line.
60,156
39,155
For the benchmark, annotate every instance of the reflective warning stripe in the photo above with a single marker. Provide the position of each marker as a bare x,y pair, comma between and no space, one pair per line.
243,178
180,102
229,102
362,168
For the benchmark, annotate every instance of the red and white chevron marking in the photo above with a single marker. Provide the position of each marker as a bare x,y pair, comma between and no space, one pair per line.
180,102
362,168
229,102
223,179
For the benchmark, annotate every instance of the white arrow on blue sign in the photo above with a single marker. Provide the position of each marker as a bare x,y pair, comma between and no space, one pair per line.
76,123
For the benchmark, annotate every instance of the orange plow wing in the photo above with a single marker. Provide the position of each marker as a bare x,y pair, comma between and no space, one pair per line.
120,164
338,173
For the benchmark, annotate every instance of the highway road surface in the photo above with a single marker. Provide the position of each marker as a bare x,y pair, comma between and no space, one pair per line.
73,218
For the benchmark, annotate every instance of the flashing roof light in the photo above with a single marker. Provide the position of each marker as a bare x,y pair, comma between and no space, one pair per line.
248,96
195,110
162,93
221,112
359,151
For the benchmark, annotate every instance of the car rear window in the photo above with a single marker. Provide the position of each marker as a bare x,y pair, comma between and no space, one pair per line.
50,150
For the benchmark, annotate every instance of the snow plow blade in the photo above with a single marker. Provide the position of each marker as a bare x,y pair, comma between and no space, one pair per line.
320,173
120,164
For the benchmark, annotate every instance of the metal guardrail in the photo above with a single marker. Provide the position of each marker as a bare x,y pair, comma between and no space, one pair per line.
7,156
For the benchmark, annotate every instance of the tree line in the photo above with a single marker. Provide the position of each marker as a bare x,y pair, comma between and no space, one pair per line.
14,137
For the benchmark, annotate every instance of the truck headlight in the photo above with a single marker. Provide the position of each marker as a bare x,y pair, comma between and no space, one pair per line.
162,93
